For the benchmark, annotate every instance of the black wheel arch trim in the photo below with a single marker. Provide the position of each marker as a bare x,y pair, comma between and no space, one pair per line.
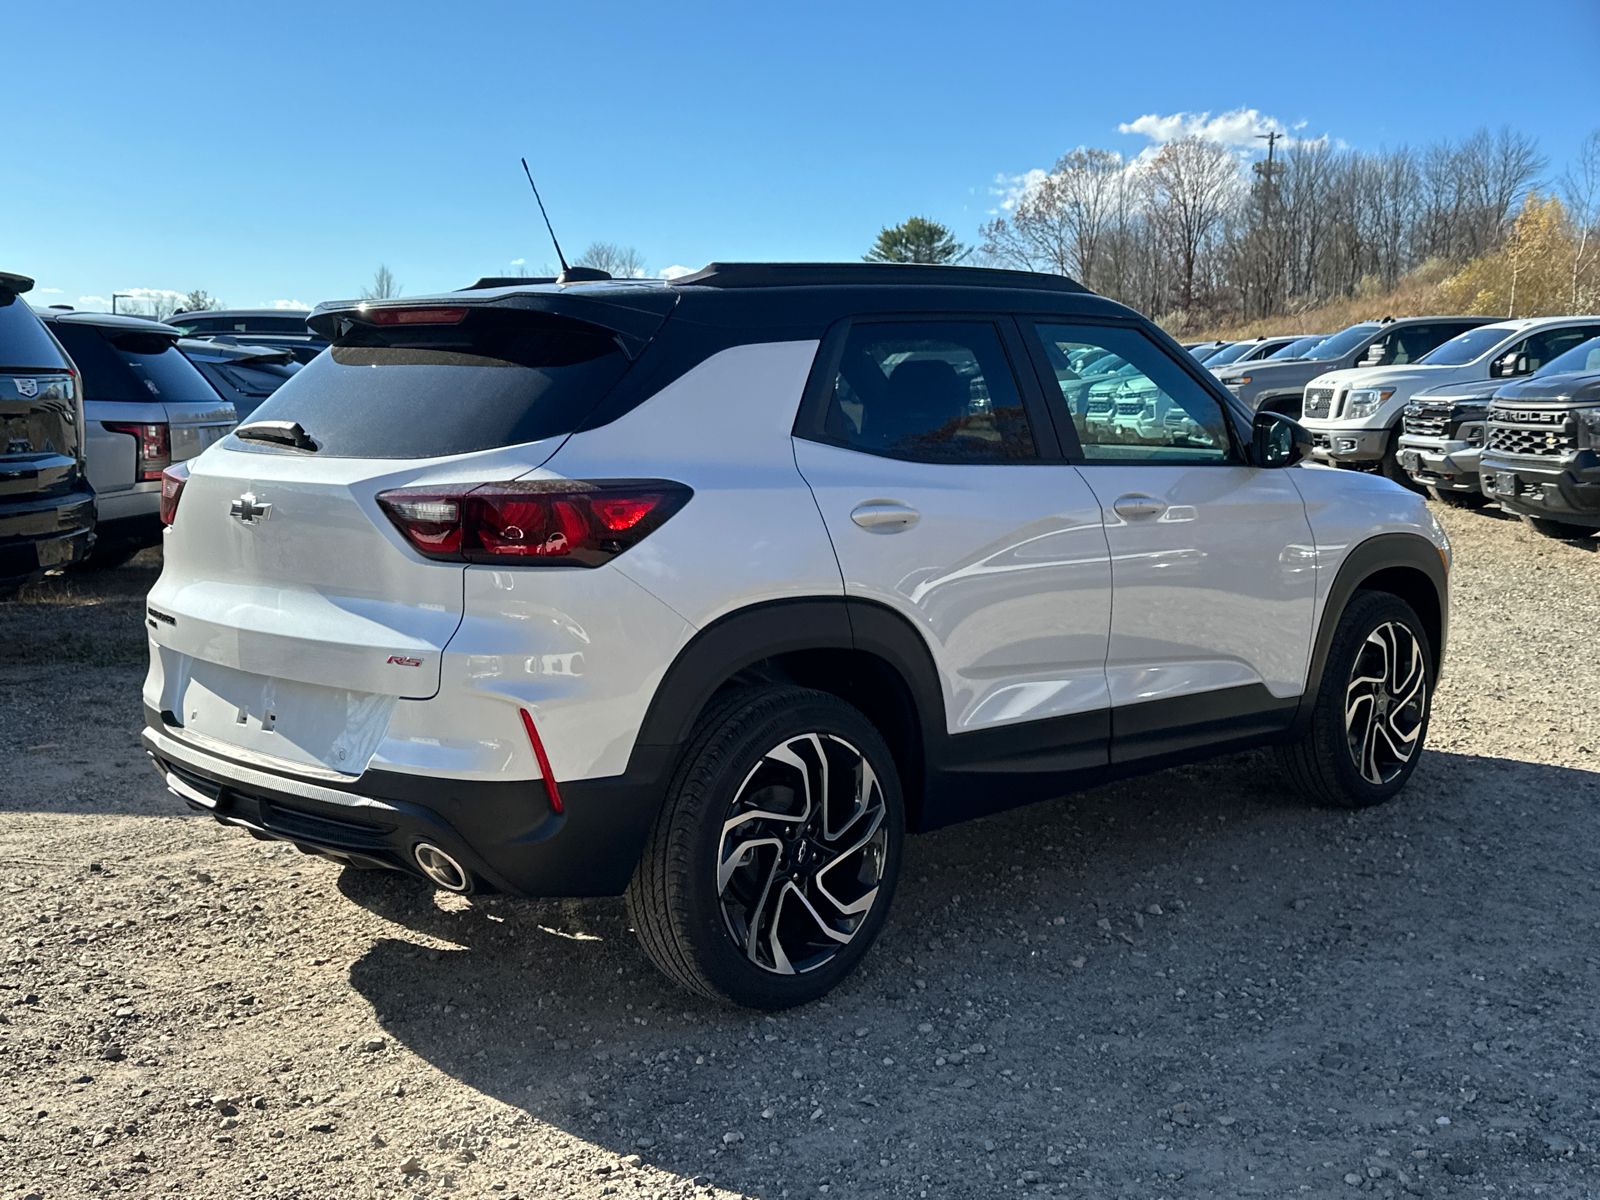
1384,562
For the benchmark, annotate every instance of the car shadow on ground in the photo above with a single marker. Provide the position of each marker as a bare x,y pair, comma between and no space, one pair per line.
1051,980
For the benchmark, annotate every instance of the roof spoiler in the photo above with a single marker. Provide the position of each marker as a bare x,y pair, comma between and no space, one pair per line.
782,274
633,317
14,285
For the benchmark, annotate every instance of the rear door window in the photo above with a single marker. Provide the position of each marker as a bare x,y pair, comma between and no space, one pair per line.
24,344
931,391
495,377
132,365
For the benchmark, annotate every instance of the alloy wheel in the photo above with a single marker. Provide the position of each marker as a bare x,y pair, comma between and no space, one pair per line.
1386,702
802,853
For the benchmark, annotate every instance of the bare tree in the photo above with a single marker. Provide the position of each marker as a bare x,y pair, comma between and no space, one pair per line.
1193,184
620,262
1580,186
384,285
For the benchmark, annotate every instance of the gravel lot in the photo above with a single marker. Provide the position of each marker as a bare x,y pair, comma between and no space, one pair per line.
1189,985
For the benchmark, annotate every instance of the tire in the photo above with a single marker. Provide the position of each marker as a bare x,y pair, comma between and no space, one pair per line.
1389,465
1361,748
707,917
1556,529
1458,499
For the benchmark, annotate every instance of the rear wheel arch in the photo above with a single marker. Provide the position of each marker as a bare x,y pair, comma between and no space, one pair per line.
862,652
1405,565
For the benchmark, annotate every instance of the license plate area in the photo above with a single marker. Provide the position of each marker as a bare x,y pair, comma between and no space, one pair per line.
1411,460
299,723
1505,483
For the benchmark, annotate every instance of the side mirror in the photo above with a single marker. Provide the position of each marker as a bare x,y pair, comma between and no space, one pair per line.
1277,440
1503,366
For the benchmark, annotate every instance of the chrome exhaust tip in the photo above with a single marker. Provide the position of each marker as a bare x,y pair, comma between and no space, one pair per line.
441,868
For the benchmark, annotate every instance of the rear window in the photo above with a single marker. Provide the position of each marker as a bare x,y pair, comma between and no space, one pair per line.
24,344
202,324
127,365
497,378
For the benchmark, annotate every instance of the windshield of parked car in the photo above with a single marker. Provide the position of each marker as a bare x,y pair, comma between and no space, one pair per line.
122,363
1585,356
1228,354
1464,348
1344,341
1299,348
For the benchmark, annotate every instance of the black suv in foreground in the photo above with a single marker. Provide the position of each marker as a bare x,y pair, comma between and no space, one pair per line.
1542,458
46,505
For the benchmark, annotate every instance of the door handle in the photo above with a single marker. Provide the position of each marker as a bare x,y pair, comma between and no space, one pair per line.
1136,506
884,516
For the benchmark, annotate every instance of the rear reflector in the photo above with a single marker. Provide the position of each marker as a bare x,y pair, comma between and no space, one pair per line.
154,446
172,481
543,760
542,523
416,316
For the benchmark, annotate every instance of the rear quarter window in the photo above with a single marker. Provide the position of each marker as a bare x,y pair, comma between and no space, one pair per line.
498,378
24,344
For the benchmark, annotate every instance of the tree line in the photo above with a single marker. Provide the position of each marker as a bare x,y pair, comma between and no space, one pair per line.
1190,235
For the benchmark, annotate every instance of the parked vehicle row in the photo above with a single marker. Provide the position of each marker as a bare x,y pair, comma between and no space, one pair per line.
95,407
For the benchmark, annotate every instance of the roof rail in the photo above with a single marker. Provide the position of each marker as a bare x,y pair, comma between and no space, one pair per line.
763,275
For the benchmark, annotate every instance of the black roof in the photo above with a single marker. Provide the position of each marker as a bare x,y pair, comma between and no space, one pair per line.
115,321
773,275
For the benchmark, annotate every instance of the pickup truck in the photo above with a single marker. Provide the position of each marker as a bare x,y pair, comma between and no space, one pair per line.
1355,415
145,407
1271,386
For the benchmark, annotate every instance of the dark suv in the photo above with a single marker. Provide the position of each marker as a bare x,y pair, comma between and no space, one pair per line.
1542,454
46,505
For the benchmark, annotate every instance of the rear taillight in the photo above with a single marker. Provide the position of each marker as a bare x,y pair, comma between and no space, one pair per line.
172,481
547,522
154,443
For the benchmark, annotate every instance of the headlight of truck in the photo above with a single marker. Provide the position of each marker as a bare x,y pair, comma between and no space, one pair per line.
1363,402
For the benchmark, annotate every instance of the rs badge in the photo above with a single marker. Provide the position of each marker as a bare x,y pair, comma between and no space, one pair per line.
400,660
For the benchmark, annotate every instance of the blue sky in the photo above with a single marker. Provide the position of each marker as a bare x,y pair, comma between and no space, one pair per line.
284,154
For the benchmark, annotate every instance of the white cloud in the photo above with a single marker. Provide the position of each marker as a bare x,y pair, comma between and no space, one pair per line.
1012,188
519,262
1239,127
301,305
51,291
152,294
94,303
674,272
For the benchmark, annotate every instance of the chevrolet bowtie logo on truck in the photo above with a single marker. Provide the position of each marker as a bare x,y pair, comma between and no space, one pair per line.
248,511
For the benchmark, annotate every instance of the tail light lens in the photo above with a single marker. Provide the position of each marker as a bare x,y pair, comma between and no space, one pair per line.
172,481
155,446
546,522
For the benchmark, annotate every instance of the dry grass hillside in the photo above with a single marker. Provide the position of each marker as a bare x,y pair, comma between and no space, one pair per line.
1544,268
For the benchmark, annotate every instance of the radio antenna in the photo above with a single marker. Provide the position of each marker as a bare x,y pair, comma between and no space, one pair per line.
568,274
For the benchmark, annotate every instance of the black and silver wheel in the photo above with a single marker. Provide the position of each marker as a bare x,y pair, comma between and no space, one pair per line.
770,869
1371,712
1564,530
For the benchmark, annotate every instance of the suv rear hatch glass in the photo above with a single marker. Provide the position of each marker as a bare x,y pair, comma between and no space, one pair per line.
466,379
39,433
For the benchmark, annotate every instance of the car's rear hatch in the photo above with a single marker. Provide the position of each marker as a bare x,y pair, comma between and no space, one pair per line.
290,613
40,433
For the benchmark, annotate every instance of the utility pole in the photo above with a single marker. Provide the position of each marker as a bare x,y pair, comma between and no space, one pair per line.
1268,172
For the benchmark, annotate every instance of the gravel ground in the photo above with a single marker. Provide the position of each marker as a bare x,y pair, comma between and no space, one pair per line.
1188,985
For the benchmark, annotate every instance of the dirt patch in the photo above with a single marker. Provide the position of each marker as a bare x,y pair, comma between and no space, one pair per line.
1187,985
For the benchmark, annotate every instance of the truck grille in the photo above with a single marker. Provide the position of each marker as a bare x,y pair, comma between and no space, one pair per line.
1535,432
1129,408
1100,405
1426,420
1318,402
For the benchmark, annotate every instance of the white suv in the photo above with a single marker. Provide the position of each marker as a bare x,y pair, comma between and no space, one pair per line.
709,592
1355,416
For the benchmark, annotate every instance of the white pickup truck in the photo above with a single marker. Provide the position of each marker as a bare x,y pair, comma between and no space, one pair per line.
1354,416
145,406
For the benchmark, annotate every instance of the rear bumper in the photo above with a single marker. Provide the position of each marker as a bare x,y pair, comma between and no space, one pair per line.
1568,491
42,533
1450,465
503,832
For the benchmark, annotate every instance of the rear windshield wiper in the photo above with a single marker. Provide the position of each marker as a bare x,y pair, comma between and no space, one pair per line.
279,433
